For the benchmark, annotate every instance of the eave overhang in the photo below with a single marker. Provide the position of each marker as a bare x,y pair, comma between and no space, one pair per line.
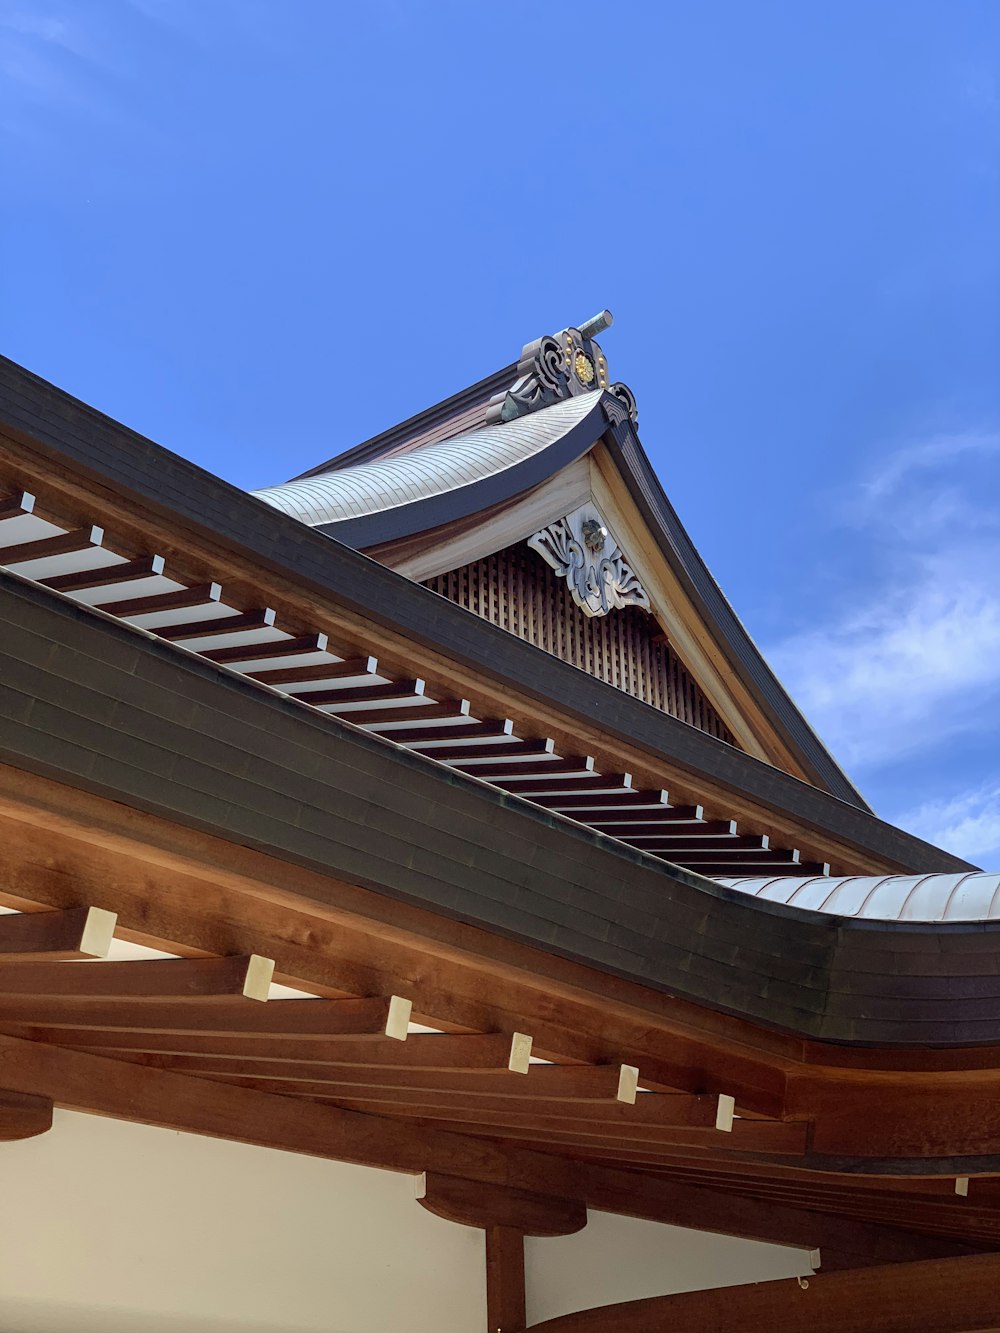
130,475
114,711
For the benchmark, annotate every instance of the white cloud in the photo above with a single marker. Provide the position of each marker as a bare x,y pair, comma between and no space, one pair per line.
924,456
911,656
968,825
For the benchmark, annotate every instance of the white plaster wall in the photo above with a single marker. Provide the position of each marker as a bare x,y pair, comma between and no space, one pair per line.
623,1259
108,1227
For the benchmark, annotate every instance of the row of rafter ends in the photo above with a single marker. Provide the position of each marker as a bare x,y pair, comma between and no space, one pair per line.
305,668
192,1016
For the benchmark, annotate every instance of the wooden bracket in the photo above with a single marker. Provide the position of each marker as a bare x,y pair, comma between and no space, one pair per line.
473,1204
23,1116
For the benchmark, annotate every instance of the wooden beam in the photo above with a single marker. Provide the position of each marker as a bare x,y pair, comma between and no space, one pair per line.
219,1027
391,692
239,653
473,1204
345,670
201,594
289,1057
596,783
23,1116
203,629
933,1296
530,771
574,1125
85,1082
187,979
63,543
450,710
465,756
505,1301
75,932
128,571
13,506
461,731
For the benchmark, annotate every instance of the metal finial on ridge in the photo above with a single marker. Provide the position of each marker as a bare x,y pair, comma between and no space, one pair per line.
556,367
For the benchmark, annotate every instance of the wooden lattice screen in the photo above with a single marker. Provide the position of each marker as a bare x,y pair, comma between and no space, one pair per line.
517,590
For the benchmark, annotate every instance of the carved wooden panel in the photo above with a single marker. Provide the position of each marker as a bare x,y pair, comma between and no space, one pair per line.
518,591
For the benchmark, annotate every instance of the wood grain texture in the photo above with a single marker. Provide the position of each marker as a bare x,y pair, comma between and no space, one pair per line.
515,589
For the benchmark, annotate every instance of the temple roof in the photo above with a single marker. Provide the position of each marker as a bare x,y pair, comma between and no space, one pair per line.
400,493
971,896
480,462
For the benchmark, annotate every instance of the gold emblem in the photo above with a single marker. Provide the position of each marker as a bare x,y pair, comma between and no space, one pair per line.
584,368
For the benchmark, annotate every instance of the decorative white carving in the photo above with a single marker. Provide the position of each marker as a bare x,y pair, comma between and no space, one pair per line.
581,550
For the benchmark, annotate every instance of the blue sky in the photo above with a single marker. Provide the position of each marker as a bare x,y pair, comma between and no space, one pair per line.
260,232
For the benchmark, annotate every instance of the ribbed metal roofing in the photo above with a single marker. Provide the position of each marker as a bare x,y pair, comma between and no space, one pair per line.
434,469
974,896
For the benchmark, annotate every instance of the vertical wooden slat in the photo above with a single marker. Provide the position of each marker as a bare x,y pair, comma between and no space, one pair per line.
516,589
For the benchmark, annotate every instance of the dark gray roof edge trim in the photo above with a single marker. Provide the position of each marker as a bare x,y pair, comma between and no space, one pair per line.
73,433
718,614
436,415
104,707
424,514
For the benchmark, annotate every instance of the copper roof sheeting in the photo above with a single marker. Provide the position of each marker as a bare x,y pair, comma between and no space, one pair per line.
434,469
974,896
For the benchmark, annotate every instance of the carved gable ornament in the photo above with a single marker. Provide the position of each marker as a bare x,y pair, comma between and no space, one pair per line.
581,550
559,366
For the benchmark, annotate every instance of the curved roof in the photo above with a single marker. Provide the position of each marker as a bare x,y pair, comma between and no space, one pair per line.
974,896
399,494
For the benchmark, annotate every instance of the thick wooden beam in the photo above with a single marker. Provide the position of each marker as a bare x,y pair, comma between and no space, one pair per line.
934,1296
75,932
238,654
64,543
200,594
127,571
23,1115
205,629
84,1082
573,1126
13,506
189,979
447,710
505,1301
282,1057
473,1204
348,669
221,1026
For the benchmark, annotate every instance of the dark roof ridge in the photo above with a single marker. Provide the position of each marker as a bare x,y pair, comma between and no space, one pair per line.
463,411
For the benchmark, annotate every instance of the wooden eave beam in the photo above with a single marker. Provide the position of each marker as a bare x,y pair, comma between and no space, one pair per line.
293,1057
74,932
63,543
144,523
23,1115
216,1027
84,1082
128,571
472,1204
198,595
182,979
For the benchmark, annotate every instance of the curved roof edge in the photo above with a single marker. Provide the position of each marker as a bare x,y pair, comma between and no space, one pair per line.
934,898
398,496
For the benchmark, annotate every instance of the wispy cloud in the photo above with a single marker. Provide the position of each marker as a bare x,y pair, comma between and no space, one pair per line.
56,56
968,824
924,456
912,654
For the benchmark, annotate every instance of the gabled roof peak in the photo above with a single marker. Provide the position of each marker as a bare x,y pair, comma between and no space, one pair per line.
559,366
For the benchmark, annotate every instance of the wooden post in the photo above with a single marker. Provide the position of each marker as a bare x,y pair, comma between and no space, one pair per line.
505,1308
